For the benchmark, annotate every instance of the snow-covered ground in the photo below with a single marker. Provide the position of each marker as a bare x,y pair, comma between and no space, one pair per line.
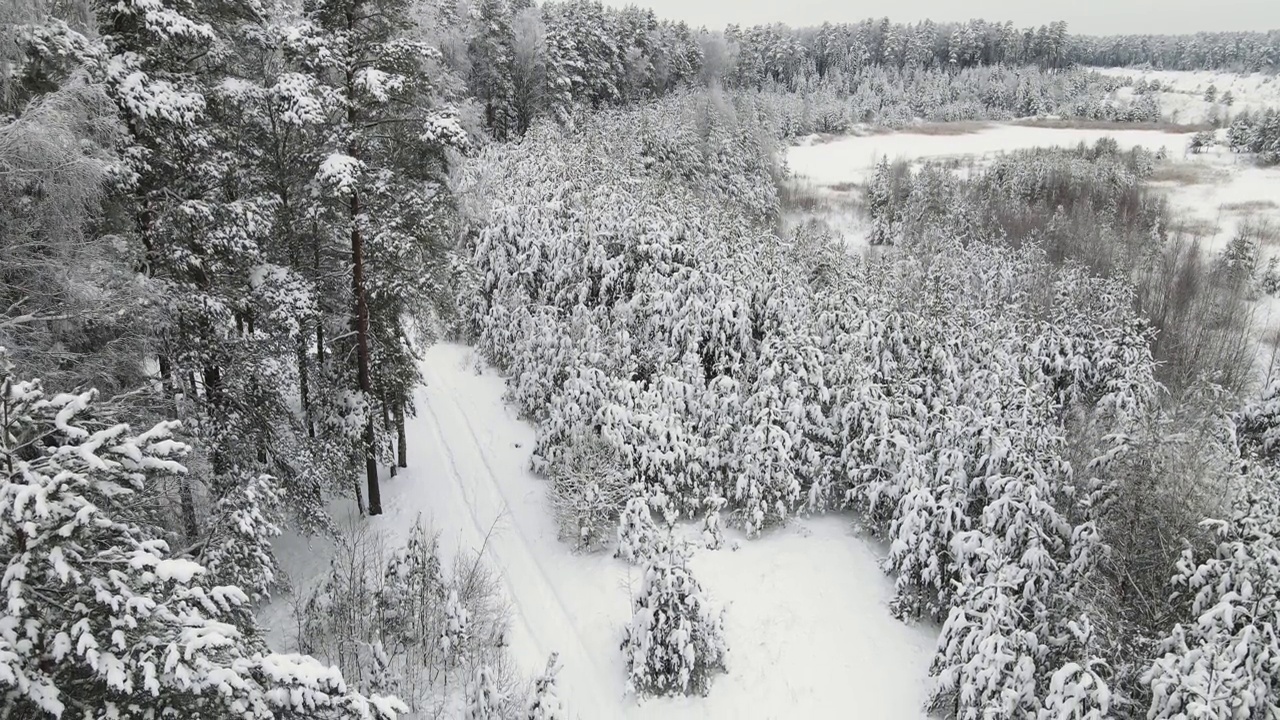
852,158
1182,97
807,623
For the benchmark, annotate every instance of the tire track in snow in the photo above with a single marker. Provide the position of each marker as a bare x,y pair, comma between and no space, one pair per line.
536,601
480,528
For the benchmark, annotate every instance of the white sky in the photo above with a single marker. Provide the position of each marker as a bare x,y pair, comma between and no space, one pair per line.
1097,17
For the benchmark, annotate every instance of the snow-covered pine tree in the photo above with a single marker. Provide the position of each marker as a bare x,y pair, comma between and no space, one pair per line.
101,617
492,52
562,74
159,61
638,535
529,67
675,640
545,703
1224,661
383,176
484,699
882,208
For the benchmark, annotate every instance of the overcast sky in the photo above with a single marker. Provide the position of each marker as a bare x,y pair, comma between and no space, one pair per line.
1083,16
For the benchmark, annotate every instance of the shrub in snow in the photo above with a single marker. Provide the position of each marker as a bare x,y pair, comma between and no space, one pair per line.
1258,425
545,703
1224,662
457,627
675,640
99,618
588,491
398,619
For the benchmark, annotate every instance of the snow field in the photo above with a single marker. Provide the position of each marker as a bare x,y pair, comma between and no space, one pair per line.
808,626
853,158
1182,99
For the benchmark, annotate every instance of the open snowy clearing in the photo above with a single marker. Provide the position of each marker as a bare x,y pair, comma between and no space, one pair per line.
807,622
851,159
1182,98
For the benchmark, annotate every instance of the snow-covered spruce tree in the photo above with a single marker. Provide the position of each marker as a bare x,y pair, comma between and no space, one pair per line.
222,316
638,535
1224,661
100,617
674,643
484,700
381,174
492,53
545,702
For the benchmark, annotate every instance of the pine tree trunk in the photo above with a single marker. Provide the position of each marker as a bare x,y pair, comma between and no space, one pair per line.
304,389
186,496
386,425
213,400
400,450
315,260
362,305
362,355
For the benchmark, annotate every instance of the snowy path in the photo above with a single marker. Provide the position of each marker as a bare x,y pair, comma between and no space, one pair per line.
473,463
808,627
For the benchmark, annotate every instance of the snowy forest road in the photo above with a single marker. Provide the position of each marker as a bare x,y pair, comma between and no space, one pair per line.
483,479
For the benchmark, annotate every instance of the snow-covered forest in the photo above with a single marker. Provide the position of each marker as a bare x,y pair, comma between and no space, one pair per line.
495,359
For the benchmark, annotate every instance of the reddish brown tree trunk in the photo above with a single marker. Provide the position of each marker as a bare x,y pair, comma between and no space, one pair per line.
362,356
401,455
186,495
386,426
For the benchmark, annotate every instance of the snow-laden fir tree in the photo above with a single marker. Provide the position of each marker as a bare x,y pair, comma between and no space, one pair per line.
674,642
100,616
545,703
1224,660
381,175
484,699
